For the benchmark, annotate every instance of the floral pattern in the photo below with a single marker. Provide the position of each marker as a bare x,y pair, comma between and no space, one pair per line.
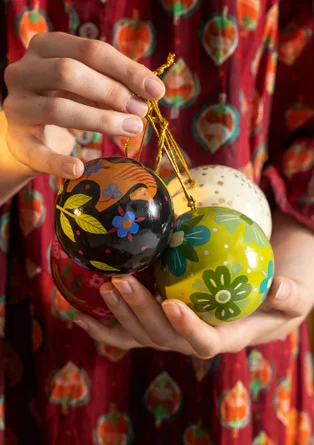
266,283
92,168
223,294
125,225
112,191
187,233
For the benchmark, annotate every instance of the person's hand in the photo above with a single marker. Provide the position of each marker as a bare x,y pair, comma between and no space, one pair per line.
173,326
64,85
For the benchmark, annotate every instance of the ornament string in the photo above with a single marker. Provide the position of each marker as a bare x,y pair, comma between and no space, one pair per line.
166,141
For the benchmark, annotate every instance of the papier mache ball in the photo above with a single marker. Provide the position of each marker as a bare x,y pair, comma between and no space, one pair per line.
219,262
80,287
221,186
116,218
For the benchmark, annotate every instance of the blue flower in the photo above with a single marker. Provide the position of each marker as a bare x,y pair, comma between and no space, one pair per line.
112,191
266,283
92,167
125,224
186,235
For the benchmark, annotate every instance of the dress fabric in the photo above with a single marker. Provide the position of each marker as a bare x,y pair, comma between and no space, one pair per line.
241,95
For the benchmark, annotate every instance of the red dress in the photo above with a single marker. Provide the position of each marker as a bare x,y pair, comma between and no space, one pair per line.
60,387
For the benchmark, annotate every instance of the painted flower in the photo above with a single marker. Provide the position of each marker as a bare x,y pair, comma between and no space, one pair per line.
187,234
223,293
112,191
96,281
266,283
92,168
126,225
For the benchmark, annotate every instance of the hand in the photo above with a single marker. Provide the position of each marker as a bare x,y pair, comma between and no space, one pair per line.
172,326
65,84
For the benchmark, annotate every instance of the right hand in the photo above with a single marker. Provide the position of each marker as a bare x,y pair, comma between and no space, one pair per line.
65,85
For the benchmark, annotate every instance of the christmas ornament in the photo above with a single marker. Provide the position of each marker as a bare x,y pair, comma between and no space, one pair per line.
116,218
219,262
80,287
220,186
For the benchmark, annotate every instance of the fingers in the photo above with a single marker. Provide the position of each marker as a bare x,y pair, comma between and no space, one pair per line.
112,335
101,57
124,314
69,114
41,158
290,296
150,314
203,339
72,76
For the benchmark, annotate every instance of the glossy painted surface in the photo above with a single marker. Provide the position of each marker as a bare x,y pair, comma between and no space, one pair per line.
220,186
219,262
116,219
80,287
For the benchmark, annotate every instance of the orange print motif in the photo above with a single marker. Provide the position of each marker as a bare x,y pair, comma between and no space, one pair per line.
292,40
111,352
113,428
31,21
201,367
134,37
220,37
37,335
163,397
298,429
298,158
69,387
260,373
32,210
61,308
297,115
196,435
283,399
182,87
259,158
14,367
263,439
180,8
235,408
257,113
248,13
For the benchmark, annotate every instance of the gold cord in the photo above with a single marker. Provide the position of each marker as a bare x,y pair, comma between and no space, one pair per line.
166,141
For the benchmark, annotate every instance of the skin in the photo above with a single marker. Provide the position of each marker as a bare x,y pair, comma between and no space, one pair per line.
75,85
78,84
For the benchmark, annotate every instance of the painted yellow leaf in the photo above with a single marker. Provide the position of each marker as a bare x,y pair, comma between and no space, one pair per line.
66,227
103,266
90,224
76,201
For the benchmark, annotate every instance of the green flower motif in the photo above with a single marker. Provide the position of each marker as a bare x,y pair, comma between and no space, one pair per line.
223,294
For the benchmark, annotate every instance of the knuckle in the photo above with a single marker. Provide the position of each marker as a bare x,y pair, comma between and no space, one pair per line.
91,49
37,40
105,121
11,74
64,71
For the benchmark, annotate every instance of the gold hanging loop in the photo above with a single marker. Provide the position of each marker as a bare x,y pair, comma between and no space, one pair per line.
166,141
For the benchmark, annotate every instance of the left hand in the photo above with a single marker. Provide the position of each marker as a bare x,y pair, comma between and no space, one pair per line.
172,326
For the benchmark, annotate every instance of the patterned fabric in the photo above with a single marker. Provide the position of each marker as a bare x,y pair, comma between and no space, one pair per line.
60,387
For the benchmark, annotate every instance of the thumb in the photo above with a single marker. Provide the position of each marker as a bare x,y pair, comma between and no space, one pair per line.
291,296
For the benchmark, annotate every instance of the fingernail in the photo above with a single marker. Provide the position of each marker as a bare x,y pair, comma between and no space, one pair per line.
69,169
123,286
172,310
284,291
154,87
136,106
110,297
81,324
132,126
